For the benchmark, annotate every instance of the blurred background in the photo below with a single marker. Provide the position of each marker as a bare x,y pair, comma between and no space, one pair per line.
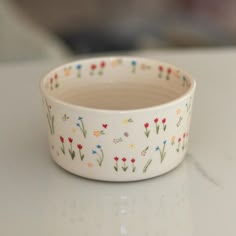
37,29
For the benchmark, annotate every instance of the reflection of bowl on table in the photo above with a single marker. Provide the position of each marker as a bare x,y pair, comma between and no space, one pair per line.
158,206
118,119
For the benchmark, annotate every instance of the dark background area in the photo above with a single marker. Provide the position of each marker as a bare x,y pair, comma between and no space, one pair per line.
95,26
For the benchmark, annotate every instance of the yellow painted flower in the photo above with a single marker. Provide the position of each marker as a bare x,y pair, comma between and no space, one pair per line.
125,121
178,111
96,133
114,63
73,130
131,146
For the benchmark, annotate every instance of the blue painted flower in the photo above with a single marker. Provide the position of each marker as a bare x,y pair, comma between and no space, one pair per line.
80,118
99,146
134,63
78,124
79,66
94,152
157,148
164,142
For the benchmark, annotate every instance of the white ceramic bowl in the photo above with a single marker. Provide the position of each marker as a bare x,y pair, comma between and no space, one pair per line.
118,118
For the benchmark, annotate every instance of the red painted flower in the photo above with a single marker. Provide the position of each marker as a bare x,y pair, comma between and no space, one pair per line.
103,64
93,66
184,135
146,125
169,70
70,140
79,146
132,160
51,80
163,121
62,139
156,120
123,159
116,158
160,68
179,140
55,76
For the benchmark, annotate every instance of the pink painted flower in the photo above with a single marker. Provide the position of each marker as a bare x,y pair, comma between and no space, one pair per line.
79,146
70,140
132,160
146,125
169,70
116,158
51,80
184,135
55,76
179,140
156,120
160,68
93,66
164,121
123,159
62,139
103,64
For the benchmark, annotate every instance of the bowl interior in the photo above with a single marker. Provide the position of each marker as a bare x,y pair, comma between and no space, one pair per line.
116,83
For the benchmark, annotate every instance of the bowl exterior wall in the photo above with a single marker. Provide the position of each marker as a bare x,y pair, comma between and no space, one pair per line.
118,146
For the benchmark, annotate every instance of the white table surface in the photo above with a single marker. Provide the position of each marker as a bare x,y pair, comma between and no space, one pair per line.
197,199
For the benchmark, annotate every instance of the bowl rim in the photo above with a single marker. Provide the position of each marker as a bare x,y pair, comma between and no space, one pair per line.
173,102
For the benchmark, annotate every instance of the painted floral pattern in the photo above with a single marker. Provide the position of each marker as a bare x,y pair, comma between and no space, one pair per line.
81,126
99,153
67,71
162,151
62,145
181,143
116,62
160,73
124,164
79,70
144,151
50,118
98,133
97,68
71,151
147,164
54,83
80,147
168,74
133,65
147,130
121,164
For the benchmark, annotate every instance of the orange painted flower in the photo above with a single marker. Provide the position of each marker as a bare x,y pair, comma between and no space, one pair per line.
96,133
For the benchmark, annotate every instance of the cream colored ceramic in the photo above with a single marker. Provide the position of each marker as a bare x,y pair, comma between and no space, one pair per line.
118,119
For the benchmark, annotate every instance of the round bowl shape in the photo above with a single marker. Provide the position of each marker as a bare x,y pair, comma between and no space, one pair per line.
118,118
